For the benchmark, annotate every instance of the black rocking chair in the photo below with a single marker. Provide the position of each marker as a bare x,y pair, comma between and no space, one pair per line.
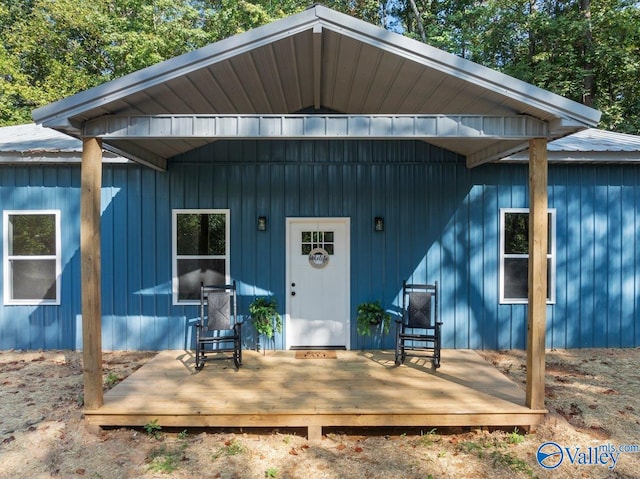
419,329
218,326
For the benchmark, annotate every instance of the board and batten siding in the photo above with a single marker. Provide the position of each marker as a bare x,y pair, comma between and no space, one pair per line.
44,188
441,219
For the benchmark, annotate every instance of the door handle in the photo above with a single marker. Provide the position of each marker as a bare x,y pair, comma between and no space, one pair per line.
293,293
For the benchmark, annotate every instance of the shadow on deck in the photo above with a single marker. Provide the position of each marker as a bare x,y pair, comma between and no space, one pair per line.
359,388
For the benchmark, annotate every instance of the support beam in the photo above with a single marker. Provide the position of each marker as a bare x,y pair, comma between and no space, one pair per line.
538,239
515,128
91,183
317,66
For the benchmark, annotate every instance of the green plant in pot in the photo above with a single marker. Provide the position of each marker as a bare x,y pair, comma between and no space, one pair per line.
265,317
371,314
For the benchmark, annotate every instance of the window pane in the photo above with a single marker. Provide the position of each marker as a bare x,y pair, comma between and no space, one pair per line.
201,234
516,233
32,235
550,233
516,278
193,271
516,272
33,279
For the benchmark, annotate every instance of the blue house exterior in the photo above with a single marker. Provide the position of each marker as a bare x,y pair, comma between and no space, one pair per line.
442,221
318,126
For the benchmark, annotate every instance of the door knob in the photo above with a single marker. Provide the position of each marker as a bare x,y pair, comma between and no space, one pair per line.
293,293
293,285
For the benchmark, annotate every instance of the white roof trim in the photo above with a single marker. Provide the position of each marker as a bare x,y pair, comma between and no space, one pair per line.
315,126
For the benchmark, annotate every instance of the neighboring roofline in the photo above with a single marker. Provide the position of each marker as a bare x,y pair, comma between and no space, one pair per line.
572,157
53,158
588,146
57,115
31,144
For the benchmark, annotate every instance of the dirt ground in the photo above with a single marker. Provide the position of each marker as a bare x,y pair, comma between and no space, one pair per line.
593,396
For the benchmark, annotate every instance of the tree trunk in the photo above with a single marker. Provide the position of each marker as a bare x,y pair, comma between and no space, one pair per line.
416,13
588,80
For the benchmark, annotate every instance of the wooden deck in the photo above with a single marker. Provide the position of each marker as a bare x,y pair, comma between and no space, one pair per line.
359,388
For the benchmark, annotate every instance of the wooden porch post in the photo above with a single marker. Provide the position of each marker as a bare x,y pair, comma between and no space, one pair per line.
538,239
91,184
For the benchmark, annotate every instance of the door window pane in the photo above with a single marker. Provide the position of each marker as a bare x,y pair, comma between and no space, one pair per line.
316,239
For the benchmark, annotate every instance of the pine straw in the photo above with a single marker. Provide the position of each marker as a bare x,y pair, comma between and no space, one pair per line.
593,396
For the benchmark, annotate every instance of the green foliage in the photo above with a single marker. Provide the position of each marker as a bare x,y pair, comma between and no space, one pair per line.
428,438
494,449
516,236
201,234
153,429
33,235
111,380
508,460
265,316
230,448
515,437
166,459
372,314
271,472
53,49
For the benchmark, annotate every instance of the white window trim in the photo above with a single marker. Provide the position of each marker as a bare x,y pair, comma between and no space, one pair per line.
8,284
552,256
174,249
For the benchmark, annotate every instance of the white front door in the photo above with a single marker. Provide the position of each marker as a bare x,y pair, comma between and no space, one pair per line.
318,282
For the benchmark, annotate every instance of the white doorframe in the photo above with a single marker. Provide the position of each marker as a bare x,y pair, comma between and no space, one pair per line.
312,220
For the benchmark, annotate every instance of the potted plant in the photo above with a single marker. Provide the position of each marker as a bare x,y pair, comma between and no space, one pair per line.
372,314
265,317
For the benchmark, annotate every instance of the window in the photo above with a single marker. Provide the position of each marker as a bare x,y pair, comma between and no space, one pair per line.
200,252
514,255
317,239
31,257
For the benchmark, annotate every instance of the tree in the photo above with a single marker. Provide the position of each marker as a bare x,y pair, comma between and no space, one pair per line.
53,49
586,50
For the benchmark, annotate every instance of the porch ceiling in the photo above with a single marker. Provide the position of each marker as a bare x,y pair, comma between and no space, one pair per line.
318,60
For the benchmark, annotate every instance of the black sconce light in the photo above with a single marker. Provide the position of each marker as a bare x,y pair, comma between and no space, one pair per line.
262,223
378,224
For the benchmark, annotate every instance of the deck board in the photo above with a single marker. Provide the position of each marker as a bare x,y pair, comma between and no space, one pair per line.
359,388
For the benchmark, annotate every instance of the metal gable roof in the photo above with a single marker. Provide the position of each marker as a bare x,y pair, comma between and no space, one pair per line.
317,59
594,139
32,143
590,146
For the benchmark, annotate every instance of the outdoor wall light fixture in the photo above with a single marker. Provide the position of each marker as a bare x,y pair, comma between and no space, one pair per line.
262,223
378,224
